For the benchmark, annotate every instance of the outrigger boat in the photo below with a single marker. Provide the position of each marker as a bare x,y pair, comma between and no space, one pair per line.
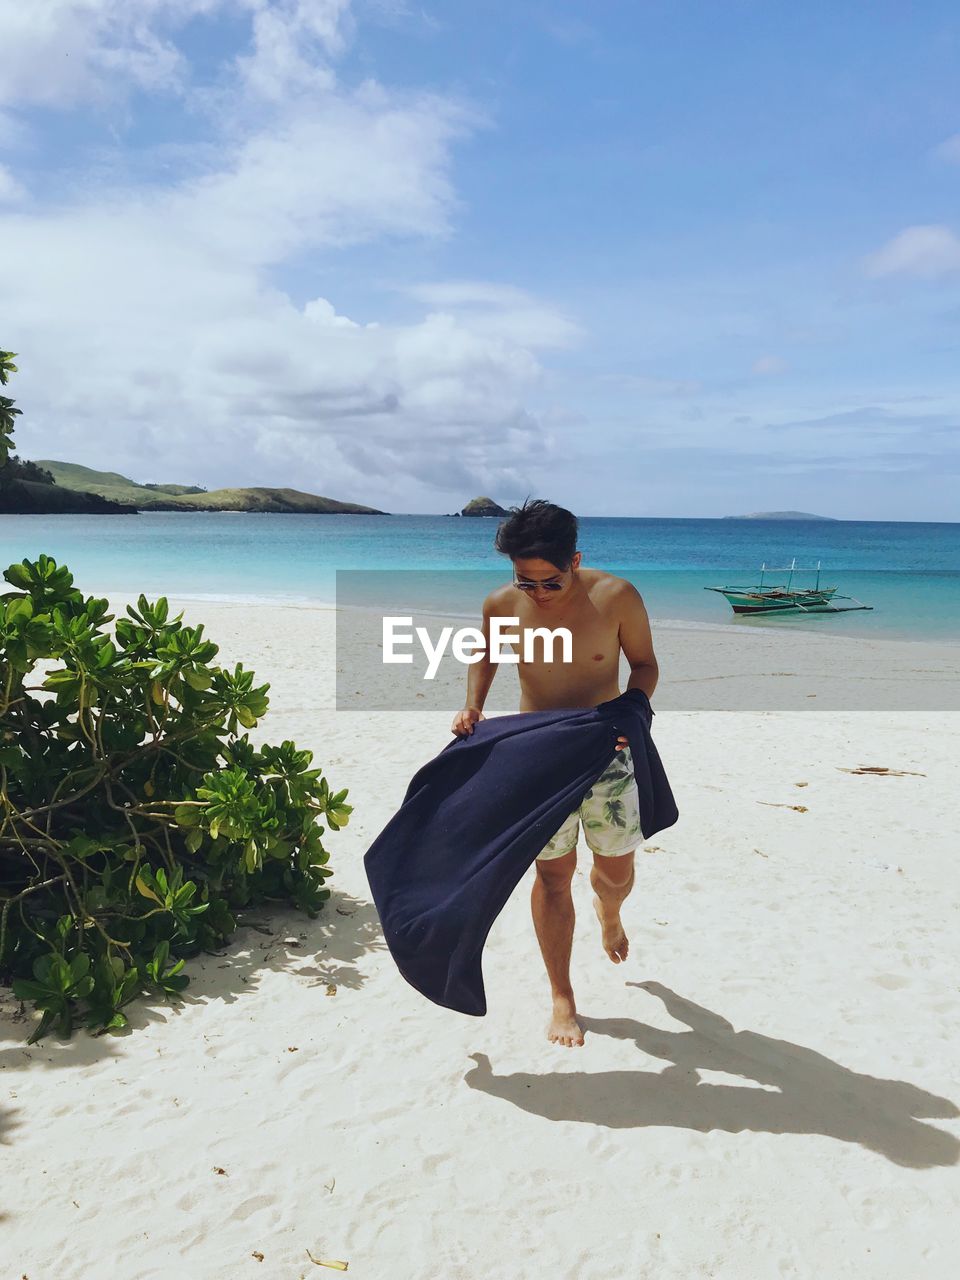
785,598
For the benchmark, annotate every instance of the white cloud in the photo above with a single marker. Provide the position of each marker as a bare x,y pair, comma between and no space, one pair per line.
151,327
923,251
500,310
61,52
320,311
11,191
768,366
343,171
289,39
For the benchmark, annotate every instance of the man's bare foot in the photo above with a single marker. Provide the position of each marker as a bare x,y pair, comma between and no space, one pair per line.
615,942
564,1028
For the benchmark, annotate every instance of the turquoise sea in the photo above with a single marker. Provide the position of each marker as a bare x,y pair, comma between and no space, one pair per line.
909,572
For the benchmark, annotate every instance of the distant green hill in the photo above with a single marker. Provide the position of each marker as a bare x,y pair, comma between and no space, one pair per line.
178,497
176,488
28,497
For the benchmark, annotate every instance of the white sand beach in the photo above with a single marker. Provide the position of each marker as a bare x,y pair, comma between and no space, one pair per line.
769,1087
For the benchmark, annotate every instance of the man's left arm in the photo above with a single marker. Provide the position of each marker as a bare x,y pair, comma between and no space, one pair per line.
636,640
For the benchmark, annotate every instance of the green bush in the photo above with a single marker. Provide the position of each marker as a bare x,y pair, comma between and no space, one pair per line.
138,819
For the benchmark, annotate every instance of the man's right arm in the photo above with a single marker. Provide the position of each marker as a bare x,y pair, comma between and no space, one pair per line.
479,679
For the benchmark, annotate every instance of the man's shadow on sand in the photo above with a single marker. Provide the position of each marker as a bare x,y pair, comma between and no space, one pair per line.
813,1094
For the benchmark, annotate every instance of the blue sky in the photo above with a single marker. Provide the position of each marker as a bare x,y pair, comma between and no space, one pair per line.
644,259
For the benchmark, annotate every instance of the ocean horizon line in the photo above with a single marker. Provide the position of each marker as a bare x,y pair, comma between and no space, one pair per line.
448,515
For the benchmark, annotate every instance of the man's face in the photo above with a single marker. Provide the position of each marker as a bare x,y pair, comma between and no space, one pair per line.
542,582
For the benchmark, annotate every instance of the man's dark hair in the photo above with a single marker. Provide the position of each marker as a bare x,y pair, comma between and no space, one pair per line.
539,530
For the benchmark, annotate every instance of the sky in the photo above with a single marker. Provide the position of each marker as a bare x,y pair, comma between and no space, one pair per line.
640,258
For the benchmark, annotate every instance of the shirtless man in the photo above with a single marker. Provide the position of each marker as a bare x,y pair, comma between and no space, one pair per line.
605,615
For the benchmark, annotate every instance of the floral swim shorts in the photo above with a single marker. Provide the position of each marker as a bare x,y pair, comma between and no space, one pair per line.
610,814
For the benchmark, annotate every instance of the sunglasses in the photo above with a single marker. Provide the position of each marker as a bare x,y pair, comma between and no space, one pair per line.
532,586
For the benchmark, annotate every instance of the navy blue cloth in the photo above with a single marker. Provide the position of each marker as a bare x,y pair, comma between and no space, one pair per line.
473,821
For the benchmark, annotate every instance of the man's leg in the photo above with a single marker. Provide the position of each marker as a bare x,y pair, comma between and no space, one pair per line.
553,916
612,880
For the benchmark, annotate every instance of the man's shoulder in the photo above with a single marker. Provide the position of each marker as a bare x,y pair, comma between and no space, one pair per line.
500,600
608,588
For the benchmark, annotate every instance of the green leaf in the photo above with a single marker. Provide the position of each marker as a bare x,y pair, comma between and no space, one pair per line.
198,678
24,989
146,890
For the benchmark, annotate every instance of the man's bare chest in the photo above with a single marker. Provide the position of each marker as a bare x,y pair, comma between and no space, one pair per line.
594,637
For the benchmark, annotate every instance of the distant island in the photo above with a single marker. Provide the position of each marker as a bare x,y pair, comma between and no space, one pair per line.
26,489
68,486
779,515
483,507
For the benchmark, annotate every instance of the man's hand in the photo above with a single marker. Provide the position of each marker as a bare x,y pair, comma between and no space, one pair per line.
622,742
464,721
